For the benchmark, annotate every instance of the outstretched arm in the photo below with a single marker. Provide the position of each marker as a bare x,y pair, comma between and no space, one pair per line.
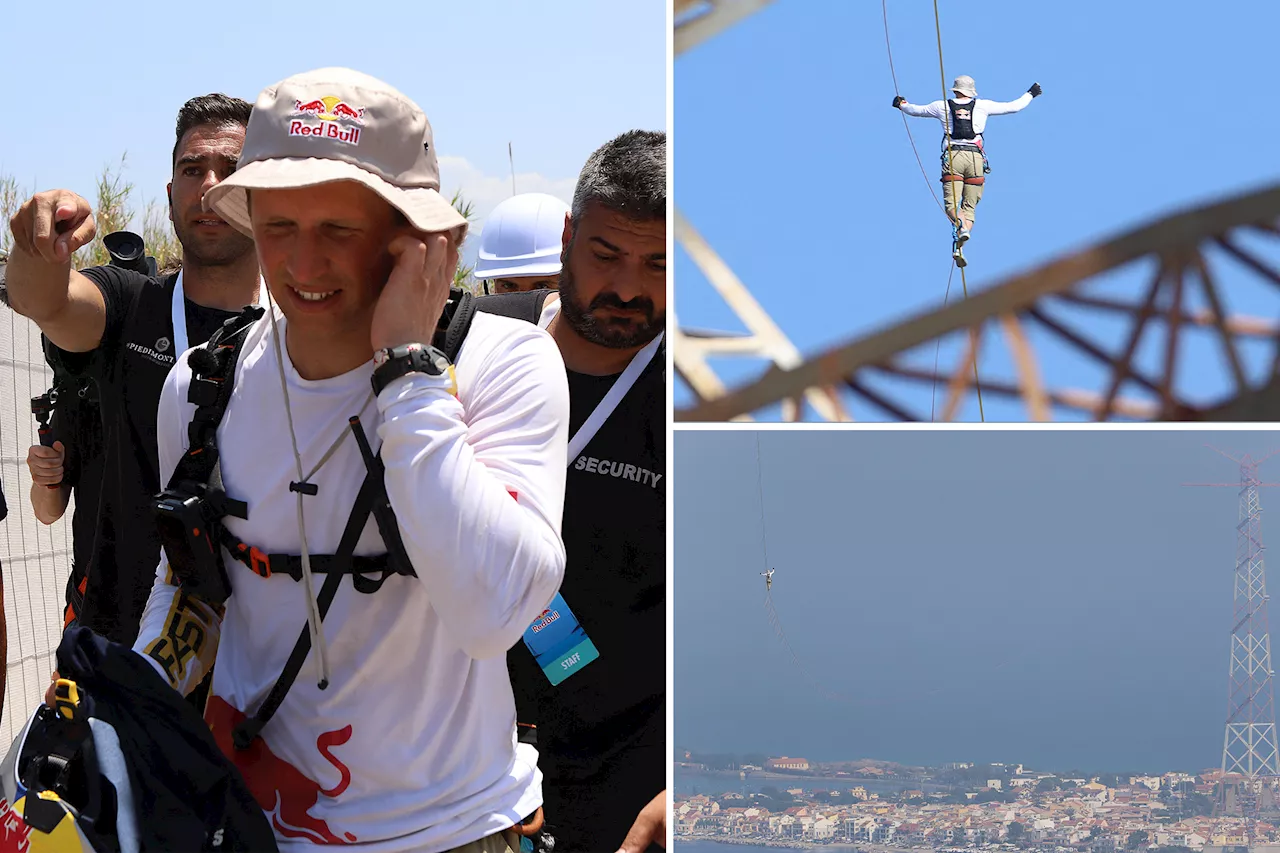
68,307
937,109
999,108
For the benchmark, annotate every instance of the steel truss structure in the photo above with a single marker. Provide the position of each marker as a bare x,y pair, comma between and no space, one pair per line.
1187,250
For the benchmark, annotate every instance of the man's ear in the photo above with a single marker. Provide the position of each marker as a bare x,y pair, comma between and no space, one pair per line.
566,239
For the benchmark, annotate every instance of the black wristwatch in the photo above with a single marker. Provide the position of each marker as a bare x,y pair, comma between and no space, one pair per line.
391,364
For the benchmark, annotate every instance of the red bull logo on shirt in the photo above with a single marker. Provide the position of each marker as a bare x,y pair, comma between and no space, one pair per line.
283,791
333,113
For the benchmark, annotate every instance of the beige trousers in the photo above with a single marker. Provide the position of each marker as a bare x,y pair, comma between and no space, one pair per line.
966,171
502,842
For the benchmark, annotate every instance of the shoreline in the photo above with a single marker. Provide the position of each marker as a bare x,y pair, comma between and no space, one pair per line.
793,845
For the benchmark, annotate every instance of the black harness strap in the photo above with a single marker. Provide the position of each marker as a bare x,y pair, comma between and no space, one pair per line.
266,565
213,371
250,728
189,511
199,473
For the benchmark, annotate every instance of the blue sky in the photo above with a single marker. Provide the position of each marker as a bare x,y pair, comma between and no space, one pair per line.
1044,597
792,163
556,80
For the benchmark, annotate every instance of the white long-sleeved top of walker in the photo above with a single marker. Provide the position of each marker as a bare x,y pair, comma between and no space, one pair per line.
981,109
412,746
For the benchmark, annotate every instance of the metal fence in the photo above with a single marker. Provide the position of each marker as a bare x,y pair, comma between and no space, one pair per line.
36,558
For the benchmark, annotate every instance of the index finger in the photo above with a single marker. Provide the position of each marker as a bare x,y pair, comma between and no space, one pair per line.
55,213
42,230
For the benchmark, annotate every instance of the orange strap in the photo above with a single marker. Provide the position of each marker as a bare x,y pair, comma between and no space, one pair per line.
978,181
946,178
69,614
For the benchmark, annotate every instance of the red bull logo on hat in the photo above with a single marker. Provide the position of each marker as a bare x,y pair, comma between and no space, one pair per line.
332,112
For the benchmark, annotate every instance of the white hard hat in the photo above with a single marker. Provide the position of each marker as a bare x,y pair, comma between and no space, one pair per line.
522,237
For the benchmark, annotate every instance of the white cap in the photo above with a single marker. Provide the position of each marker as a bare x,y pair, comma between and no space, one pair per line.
522,237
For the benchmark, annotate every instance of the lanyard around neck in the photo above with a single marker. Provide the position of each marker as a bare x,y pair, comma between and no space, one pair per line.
179,310
617,391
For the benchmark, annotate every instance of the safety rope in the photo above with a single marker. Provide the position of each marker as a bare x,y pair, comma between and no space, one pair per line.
759,486
884,14
808,676
937,348
772,614
946,128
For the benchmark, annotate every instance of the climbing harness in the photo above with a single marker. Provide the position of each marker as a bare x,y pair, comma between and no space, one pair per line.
190,510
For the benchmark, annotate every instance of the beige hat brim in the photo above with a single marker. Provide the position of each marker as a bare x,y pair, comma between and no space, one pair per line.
426,209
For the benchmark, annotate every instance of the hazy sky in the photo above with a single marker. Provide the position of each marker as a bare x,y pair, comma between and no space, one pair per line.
1051,598
793,164
556,80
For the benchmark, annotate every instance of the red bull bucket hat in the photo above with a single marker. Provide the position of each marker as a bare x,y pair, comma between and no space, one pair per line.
335,124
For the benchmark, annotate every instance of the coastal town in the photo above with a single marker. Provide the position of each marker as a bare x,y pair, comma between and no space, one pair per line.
968,807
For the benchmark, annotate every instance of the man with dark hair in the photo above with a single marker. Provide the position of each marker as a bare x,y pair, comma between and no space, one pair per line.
601,732
124,330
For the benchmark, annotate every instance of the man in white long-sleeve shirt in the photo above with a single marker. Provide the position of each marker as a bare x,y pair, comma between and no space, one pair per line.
964,119
398,732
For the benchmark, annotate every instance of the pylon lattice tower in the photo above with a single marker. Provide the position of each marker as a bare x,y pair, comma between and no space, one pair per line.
1249,748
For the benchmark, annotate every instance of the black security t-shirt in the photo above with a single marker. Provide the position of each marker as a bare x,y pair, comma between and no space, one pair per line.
614,531
602,731
615,576
130,366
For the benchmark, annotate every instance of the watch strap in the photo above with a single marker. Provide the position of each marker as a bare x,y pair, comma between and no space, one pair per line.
395,362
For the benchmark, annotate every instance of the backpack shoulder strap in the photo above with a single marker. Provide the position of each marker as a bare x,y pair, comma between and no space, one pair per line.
526,305
454,323
213,372
461,309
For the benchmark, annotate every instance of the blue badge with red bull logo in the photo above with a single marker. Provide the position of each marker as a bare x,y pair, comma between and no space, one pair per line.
558,643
